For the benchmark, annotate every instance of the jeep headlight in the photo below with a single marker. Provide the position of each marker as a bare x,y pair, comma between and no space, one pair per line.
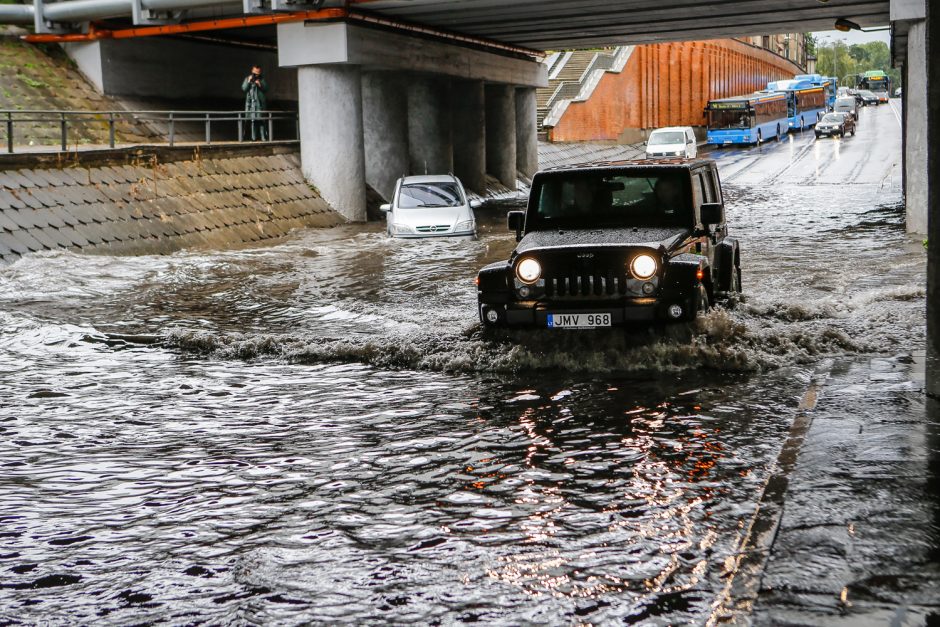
402,228
466,225
529,270
643,266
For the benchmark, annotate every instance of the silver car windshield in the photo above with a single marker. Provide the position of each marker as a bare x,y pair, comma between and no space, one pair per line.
425,195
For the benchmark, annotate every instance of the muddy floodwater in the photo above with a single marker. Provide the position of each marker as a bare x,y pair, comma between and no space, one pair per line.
318,432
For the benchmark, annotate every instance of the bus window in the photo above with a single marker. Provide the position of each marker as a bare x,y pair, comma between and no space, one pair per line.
728,119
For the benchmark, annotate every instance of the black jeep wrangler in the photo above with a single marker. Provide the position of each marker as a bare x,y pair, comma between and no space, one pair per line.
614,243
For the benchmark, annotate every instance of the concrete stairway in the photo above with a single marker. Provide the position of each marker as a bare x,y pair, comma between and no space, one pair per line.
570,71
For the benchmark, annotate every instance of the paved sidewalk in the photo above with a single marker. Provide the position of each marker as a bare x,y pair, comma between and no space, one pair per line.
858,542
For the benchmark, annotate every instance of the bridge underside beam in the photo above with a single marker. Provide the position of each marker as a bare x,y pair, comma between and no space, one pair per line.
558,24
426,106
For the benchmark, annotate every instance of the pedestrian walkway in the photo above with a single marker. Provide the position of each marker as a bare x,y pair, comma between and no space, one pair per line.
859,539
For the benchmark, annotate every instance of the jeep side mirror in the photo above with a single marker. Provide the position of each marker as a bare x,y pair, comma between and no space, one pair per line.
385,208
711,213
476,204
516,220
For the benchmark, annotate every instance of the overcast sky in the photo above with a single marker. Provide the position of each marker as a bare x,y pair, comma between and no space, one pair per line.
852,37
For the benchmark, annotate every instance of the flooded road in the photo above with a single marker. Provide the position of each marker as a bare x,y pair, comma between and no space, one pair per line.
317,431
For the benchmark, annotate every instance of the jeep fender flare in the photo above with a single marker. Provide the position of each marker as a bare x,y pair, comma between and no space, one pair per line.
493,283
727,255
682,274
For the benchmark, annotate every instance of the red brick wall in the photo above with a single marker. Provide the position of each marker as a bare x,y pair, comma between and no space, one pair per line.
668,85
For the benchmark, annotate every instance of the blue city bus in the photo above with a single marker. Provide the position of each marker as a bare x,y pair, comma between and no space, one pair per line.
830,85
876,81
806,103
746,119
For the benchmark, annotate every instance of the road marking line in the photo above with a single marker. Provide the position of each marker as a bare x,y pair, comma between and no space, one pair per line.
897,114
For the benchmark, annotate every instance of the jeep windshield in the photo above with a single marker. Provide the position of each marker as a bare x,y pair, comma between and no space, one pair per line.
428,195
599,199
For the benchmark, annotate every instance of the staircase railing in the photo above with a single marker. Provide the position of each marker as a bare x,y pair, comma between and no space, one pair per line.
582,89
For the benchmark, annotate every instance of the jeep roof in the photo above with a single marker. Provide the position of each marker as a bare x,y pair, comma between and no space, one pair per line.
634,163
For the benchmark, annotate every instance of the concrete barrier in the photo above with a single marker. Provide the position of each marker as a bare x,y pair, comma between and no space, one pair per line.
154,199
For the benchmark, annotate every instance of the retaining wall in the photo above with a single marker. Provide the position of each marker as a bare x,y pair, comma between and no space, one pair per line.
668,85
154,200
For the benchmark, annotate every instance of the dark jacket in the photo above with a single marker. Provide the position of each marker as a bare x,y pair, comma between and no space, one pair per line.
254,94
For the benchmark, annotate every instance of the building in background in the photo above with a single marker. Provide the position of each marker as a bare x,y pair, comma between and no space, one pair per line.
790,46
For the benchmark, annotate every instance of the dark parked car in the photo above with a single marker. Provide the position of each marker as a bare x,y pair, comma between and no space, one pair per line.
837,123
866,98
614,244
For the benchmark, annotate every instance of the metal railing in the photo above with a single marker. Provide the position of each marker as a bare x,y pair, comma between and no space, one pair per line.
237,123
613,61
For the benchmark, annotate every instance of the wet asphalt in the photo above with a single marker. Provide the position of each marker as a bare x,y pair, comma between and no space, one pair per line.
317,431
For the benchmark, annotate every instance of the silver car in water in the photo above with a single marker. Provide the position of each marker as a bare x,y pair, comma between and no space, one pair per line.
430,206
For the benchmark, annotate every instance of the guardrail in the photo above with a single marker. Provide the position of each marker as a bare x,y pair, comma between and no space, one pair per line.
233,120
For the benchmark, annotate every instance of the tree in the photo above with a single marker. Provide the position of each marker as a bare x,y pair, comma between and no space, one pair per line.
810,44
845,62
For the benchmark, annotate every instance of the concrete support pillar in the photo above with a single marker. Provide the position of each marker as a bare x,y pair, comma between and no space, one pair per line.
331,138
932,49
915,134
501,133
527,137
430,144
385,129
469,128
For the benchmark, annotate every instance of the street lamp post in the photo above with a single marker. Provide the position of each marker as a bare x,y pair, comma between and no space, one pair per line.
835,54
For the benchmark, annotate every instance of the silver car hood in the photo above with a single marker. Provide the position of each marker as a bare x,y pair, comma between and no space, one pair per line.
431,216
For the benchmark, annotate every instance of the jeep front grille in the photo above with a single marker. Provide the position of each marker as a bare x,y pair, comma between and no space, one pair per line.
586,284
433,228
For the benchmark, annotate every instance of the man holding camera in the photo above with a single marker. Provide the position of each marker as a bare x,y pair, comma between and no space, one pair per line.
254,87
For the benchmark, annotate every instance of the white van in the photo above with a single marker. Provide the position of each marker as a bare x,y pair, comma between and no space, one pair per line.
672,141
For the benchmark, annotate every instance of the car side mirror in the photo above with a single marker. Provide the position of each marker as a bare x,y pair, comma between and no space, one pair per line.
385,208
690,142
711,213
644,143
516,220
476,204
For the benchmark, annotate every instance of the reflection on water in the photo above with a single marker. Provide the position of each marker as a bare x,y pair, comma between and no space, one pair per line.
319,432
229,490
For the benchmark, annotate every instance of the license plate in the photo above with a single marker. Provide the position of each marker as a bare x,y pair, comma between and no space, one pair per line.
578,321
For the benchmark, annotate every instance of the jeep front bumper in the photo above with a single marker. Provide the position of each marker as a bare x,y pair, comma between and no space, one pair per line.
623,313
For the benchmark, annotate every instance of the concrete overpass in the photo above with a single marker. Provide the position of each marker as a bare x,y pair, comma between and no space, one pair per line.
388,86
